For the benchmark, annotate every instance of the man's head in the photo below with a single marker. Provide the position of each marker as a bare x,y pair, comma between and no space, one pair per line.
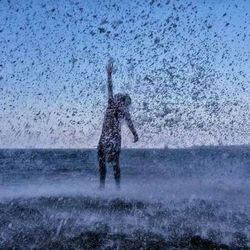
122,100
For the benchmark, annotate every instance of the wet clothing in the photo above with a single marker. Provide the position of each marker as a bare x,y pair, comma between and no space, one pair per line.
110,140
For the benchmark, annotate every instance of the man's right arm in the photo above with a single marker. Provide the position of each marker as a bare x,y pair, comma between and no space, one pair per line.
110,86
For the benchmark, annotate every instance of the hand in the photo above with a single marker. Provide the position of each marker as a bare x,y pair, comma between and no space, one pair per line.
136,138
109,68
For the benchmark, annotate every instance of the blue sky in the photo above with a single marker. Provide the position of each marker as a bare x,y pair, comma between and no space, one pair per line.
184,63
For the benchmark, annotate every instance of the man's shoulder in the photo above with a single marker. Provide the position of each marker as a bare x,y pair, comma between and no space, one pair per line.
111,102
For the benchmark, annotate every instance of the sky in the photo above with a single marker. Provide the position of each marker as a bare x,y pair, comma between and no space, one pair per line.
185,64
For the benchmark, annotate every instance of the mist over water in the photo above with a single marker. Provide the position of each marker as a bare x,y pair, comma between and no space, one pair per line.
168,198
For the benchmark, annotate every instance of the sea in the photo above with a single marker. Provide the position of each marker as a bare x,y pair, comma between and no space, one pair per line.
191,198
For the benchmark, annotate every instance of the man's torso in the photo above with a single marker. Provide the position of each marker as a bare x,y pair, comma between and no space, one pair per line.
111,130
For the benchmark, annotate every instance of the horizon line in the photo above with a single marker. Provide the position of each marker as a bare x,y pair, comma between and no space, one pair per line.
126,148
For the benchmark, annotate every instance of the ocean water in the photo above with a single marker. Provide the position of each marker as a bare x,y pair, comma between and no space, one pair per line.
197,198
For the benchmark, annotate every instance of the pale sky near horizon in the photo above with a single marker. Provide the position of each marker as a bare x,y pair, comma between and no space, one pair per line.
186,65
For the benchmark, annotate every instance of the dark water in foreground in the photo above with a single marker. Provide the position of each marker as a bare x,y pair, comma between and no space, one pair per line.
169,199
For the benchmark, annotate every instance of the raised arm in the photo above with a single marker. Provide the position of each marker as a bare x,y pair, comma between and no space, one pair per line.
109,75
131,126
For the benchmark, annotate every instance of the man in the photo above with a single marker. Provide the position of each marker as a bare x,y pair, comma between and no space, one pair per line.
109,146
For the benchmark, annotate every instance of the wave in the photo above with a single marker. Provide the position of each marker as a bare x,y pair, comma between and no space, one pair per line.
82,222
169,199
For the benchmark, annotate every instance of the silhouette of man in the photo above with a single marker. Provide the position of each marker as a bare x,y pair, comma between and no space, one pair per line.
109,145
